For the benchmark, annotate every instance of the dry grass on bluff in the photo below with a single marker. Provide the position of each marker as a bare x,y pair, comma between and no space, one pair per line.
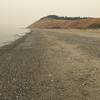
56,22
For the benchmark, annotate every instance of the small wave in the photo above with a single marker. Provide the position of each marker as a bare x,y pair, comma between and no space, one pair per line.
9,37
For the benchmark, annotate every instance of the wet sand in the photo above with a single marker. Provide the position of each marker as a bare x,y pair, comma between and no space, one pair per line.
51,65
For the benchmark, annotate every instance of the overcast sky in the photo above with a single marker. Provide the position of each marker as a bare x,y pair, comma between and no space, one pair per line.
24,12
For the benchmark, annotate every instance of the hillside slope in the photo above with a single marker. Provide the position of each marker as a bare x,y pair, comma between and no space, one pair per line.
69,22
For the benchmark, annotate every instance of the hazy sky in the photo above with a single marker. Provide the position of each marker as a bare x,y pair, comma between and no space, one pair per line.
24,12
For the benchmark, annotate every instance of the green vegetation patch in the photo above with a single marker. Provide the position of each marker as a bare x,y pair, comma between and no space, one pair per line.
64,18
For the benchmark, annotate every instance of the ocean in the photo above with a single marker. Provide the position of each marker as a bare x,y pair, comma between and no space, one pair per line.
8,35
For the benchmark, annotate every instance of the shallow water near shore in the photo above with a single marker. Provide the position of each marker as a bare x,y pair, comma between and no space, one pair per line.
8,35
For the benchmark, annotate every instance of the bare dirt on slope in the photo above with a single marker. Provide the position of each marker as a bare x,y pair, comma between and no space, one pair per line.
51,65
49,23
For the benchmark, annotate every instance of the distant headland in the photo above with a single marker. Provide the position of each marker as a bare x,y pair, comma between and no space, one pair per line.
59,22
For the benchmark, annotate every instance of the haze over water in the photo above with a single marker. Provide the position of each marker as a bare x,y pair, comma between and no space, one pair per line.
9,34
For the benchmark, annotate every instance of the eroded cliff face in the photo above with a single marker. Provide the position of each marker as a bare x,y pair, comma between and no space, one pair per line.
63,23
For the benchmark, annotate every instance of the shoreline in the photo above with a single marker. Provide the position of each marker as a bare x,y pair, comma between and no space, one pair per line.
13,44
19,38
7,37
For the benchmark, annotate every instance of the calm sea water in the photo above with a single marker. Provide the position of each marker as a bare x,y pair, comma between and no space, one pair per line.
8,35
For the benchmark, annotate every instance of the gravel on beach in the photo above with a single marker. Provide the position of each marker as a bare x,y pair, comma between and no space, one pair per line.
48,64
